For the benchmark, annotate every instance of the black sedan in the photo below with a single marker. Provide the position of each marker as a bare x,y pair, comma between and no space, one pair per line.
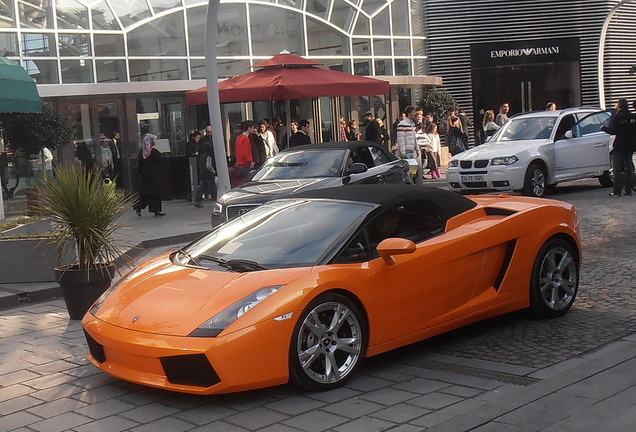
315,166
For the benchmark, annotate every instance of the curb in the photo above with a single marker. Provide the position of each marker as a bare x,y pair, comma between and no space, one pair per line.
15,295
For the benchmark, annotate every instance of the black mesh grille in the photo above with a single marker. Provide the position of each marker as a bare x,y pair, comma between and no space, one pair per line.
236,211
481,163
96,349
466,164
476,184
190,369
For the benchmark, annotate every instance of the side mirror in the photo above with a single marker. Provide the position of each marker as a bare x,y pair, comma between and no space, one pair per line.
250,175
356,168
568,134
395,246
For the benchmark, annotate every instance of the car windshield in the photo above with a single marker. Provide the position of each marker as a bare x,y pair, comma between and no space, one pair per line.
286,233
303,164
528,128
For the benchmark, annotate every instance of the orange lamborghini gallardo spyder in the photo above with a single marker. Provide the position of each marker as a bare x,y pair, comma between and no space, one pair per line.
302,289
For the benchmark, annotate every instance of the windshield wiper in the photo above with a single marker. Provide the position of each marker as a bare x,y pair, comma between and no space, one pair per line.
189,257
237,265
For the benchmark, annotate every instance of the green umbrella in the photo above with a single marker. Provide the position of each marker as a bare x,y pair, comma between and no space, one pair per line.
18,92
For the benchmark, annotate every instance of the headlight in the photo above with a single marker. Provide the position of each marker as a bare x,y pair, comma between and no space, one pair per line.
219,322
454,163
507,160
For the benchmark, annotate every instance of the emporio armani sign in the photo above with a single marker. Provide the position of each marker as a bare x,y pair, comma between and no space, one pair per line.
525,52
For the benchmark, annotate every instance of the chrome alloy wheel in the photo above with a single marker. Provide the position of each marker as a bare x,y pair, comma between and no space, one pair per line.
329,343
537,179
558,279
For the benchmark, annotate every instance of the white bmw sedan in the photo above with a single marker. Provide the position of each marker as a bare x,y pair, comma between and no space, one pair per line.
537,150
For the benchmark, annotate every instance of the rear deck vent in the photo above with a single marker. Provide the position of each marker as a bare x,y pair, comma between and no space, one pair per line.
494,211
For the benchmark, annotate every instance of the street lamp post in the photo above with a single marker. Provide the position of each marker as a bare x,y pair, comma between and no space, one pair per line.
214,104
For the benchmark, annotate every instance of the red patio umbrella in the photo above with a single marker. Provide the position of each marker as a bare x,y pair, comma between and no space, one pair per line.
288,76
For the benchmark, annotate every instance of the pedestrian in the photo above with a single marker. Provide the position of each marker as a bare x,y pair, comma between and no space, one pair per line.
386,138
281,133
489,126
258,148
192,146
342,129
456,139
150,161
352,131
372,132
434,159
302,136
207,175
550,106
465,121
106,161
243,149
394,126
115,149
84,156
407,142
271,149
502,117
622,125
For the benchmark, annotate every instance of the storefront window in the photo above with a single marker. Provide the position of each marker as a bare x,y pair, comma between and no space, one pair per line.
383,67
77,71
400,16
71,14
158,70
361,47
402,47
36,14
103,17
274,30
38,44
322,40
161,37
382,47
402,67
42,71
108,45
8,44
74,45
362,67
111,70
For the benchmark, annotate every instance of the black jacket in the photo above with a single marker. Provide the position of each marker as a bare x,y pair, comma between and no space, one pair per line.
373,132
623,125
151,173
299,138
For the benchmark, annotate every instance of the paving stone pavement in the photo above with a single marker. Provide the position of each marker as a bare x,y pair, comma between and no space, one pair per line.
513,373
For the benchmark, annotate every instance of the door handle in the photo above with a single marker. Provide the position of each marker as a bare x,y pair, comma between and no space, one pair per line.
602,144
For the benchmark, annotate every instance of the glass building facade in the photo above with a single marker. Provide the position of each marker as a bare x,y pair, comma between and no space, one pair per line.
111,41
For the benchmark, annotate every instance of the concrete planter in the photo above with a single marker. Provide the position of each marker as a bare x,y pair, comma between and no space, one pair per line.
27,260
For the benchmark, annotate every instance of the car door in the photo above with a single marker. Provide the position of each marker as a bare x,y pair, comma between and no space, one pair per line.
427,288
375,173
584,151
390,170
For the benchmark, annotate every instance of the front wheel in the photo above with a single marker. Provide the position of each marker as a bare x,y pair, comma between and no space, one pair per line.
555,279
327,344
607,179
534,181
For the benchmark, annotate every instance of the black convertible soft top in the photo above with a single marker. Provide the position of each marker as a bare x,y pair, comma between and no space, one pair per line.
389,195
351,145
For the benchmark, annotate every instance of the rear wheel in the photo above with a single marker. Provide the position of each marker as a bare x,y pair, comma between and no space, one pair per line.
534,181
327,344
555,279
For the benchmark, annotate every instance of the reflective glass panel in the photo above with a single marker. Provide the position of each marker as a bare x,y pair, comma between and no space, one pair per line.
402,47
71,14
275,29
7,15
383,67
370,6
322,40
111,70
400,16
381,24
8,44
361,47
42,71
74,45
362,25
225,68
160,37
319,8
157,70
108,45
382,47
293,3
77,71
342,65
103,17
232,31
343,15
362,67
38,44
131,11
196,29
162,5
35,13
402,67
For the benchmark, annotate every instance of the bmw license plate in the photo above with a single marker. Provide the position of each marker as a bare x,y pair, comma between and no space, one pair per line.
473,178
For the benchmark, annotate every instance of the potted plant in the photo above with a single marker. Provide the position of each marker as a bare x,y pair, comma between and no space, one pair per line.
84,211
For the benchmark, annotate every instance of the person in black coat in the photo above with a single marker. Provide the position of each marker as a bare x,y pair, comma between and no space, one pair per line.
373,132
150,161
623,125
301,137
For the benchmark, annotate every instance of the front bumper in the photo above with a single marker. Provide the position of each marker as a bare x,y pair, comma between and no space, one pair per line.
500,178
250,358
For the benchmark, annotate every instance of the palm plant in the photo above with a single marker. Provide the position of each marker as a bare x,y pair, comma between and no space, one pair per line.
85,212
